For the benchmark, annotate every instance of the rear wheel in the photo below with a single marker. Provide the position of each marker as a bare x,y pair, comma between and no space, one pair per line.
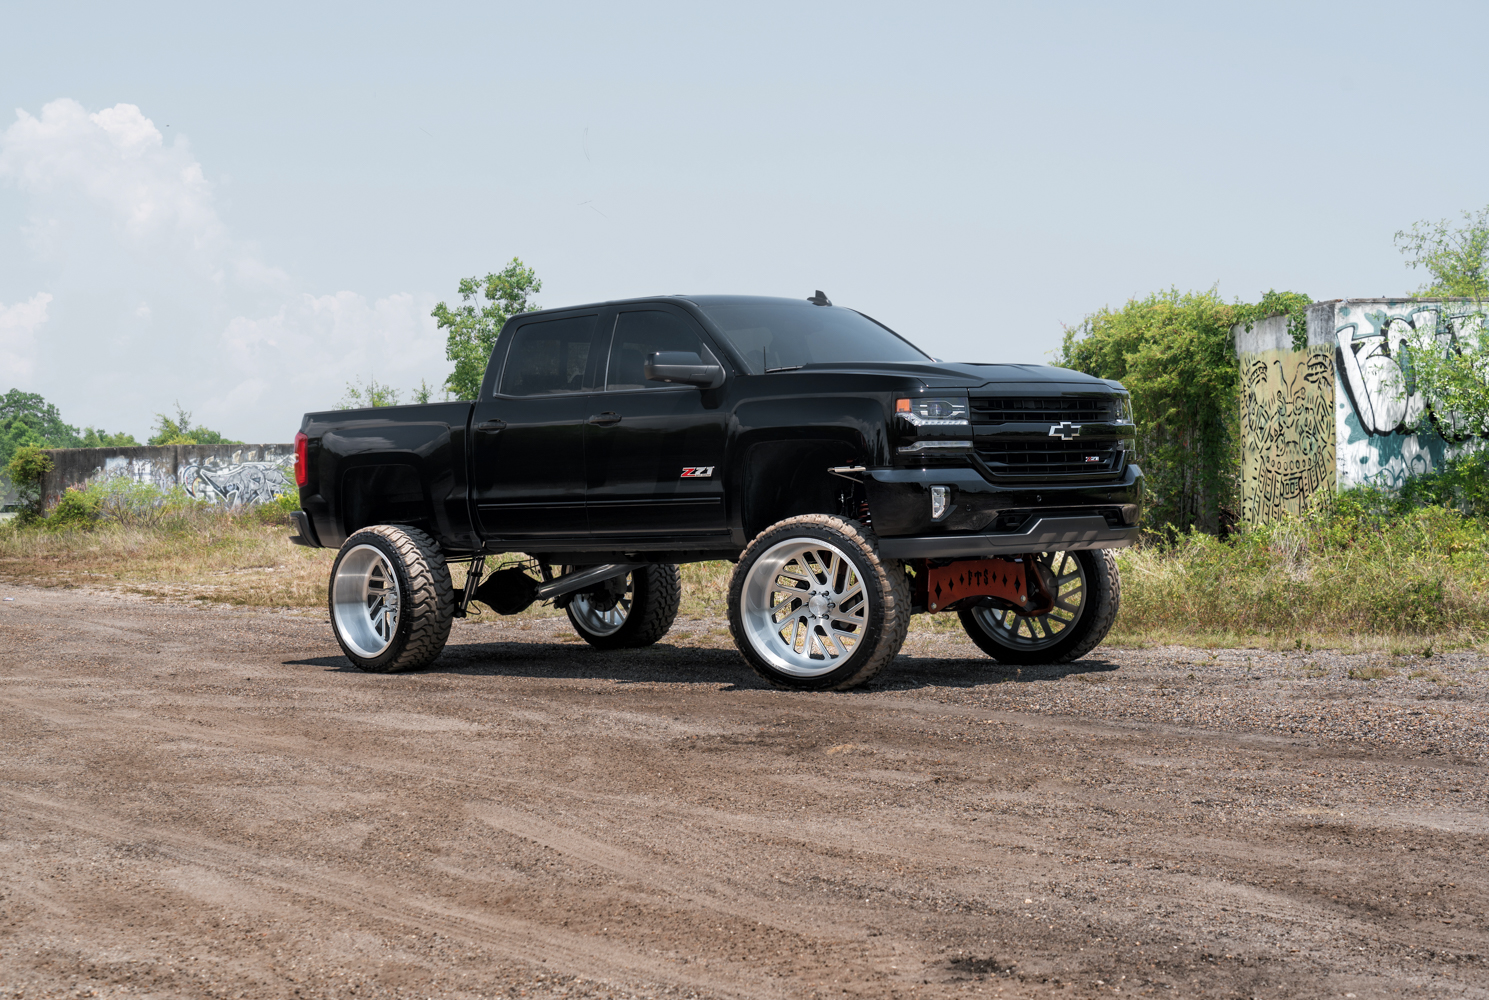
390,598
813,606
1088,592
632,610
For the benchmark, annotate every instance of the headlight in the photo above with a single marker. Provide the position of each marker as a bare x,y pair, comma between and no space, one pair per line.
938,412
1122,411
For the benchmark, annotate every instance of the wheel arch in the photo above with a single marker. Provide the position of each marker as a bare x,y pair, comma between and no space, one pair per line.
782,476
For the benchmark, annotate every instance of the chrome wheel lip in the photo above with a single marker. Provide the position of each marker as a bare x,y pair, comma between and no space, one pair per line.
1008,629
366,601
602,623
827,592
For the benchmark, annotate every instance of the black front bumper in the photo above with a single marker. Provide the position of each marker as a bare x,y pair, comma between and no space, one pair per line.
1052,533
985,518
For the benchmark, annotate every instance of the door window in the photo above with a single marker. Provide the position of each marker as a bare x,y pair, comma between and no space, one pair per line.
638,334
548,357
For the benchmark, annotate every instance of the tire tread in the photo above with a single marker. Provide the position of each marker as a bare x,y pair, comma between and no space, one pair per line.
895,596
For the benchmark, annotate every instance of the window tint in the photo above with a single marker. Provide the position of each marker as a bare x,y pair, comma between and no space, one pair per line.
781,333
638,334
548,357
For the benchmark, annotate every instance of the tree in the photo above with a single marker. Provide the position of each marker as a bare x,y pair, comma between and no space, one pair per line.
97,437
26,419
181,431
1450,365
471,332
373,393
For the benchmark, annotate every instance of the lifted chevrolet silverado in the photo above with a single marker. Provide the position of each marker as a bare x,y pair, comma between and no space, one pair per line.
851,478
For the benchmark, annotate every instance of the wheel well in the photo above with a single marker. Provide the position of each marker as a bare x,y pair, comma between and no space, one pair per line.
784,478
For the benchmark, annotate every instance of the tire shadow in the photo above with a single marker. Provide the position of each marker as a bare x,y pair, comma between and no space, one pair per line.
664,663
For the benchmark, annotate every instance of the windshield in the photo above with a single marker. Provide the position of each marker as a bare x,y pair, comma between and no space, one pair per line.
771,334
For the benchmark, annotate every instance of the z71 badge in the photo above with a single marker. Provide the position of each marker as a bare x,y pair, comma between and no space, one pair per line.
698,472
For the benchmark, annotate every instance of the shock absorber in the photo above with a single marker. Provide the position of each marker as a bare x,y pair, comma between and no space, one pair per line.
863,514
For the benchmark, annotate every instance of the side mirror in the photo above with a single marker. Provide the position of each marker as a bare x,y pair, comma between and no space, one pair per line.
683,367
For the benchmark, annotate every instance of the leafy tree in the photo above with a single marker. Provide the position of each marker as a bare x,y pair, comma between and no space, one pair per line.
472,328
26,419
182,431
1450,365
1454,257
97,437
373,393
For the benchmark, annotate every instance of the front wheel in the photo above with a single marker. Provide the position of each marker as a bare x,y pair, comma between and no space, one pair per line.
1088,592
627,612
813,606
391,599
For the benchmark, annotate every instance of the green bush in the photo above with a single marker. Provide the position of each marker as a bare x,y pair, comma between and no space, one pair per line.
26,469
77,508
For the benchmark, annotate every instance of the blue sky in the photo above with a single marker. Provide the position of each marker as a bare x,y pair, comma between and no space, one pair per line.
241,209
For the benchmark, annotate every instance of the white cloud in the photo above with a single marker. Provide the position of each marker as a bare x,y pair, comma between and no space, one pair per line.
18,325
149,270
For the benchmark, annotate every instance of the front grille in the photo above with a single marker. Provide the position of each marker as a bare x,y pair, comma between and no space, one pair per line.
1039,409
1049,458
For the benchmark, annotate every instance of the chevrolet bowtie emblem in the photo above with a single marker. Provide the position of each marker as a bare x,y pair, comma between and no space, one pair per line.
1065,430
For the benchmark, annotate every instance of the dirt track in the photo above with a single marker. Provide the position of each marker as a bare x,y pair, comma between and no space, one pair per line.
211,803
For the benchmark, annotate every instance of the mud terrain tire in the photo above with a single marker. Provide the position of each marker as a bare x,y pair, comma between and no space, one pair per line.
421,598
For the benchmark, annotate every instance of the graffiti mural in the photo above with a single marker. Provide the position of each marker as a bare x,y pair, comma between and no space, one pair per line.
1378,414
1287,430
232,475
238,483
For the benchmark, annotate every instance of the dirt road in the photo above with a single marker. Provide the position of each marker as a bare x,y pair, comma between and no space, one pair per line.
210,803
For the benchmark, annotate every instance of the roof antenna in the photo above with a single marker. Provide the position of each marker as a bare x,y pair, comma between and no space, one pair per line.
820,299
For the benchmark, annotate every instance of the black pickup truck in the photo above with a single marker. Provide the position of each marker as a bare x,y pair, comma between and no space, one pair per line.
851,478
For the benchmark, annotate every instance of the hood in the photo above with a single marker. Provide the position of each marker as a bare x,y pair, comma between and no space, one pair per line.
957,375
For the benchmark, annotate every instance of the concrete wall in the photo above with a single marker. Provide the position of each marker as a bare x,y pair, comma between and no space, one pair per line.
230,474
1342,412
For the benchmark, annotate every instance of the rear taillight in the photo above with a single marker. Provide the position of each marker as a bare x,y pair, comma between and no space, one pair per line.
302,468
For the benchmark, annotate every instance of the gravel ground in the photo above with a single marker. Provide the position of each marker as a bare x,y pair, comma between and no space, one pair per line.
211,803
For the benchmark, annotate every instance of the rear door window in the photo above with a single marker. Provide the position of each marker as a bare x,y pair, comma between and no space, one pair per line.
550,356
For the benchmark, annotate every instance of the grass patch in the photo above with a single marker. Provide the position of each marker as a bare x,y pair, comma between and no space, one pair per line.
1339,577
1408,583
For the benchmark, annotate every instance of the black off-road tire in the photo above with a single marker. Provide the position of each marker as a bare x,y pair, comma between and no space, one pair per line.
656,593
886,588
426,598
1103,591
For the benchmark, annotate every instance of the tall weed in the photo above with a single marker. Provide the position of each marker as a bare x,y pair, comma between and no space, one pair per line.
1360,562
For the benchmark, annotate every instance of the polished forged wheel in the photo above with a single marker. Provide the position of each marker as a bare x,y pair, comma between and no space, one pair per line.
812,605
391,600
632,610
1088,592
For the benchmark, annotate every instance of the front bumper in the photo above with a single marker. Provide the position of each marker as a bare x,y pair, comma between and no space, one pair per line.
1046,533
986,519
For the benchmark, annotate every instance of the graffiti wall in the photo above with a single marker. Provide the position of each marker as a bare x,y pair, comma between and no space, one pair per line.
1343,411
227,474
1287,421
1380,434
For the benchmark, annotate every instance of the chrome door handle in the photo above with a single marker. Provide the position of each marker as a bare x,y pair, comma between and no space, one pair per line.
491,425
606,418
